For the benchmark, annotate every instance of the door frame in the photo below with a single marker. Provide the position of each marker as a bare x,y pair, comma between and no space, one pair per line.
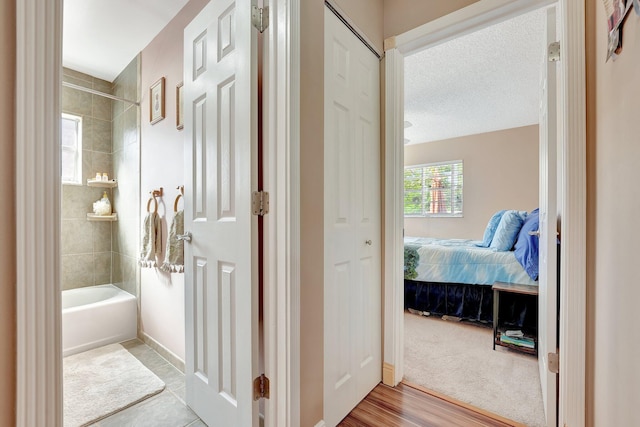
38,306
572,179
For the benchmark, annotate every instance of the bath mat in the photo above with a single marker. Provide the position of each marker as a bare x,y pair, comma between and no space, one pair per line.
102,381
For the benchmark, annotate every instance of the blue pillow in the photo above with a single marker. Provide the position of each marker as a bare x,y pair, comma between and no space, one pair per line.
507,231
526,249
491,228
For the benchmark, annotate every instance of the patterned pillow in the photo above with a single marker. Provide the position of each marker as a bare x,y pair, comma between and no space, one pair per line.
507,231
491,228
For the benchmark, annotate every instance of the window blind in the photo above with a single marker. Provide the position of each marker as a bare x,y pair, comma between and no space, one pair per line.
434,189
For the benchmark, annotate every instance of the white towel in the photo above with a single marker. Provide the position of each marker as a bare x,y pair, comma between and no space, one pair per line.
174,256
151,240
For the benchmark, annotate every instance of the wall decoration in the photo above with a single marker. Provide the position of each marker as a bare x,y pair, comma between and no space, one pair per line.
156,101
179,107
616,11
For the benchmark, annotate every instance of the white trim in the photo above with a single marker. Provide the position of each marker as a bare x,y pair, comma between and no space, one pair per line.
460,22
321,423
282,224
573,291
393,352
573,182
39,352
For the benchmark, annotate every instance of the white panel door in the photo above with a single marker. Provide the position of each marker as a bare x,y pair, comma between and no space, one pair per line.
547,280
352,295
221,295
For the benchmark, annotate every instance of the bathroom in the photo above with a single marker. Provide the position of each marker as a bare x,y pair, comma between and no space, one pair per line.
138,157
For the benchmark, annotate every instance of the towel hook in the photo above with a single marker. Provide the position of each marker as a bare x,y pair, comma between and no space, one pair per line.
175,204
154,194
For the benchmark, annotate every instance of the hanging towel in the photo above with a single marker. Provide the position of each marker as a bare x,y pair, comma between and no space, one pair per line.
174,256
151,240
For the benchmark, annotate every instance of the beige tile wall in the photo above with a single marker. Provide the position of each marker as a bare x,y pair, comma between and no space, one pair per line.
95,253
86,246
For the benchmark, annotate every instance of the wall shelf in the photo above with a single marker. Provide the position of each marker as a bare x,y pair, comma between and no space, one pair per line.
105,184
94,217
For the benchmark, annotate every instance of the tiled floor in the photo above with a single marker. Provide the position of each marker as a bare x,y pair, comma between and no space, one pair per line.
166,409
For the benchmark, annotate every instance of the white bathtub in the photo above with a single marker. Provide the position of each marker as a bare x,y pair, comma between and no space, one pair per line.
95,316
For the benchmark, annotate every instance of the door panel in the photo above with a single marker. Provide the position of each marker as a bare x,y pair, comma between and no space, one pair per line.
547,280
352,303
221,294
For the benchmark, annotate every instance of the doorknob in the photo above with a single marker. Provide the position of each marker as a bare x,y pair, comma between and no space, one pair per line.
186,236
368,242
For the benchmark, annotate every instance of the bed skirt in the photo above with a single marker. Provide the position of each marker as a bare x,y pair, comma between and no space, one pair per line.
470,302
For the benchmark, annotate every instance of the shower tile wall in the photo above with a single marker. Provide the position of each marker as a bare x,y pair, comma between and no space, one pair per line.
86,246
126,167
95,253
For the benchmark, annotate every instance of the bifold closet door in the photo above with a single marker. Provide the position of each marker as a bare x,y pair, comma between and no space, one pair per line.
352,237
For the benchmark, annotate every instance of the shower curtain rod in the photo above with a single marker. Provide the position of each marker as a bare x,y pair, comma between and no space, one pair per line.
96,92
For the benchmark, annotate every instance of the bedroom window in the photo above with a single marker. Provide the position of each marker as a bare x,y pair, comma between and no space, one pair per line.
71,149
433,190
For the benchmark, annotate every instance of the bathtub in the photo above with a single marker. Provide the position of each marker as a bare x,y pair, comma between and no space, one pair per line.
95,316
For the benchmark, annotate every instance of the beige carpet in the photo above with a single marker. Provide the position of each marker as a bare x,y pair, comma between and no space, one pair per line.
457,359
100,382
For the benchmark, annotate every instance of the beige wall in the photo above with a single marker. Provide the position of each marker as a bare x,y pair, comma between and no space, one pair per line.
162,165
613,154
403,15
7,226
613,150
500,172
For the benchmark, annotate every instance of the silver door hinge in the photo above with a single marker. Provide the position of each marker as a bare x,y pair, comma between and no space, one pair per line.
554,52
260,17
260,203
261,387
553,360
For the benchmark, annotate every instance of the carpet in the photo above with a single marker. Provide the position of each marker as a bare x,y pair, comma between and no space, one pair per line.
100,382
458,360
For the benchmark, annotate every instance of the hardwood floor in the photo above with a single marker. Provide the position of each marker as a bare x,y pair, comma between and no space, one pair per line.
410,406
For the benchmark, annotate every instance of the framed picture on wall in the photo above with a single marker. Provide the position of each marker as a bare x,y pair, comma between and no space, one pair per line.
156,101
179,107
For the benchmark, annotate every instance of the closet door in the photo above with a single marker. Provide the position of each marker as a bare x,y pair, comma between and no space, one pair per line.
221,286
547,280
352,238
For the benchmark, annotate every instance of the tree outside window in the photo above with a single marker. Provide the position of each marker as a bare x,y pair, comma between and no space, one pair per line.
433,190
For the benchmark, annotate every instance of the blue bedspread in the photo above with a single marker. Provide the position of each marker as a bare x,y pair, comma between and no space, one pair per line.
462,261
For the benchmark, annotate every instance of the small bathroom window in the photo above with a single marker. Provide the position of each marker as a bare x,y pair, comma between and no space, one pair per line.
71,149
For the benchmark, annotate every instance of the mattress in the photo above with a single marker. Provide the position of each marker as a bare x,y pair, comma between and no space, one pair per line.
461,261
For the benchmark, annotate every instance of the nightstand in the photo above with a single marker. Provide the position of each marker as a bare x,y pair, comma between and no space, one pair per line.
513,288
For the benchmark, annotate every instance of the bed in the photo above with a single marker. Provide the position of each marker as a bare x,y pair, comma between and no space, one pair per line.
453,277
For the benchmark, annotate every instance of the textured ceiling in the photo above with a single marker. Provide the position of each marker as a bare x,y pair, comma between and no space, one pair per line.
481,82
101,37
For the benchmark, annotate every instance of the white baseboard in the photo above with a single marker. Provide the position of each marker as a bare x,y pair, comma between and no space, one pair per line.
320,424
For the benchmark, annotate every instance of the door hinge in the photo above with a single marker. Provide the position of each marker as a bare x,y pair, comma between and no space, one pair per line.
260,17
553,361
261,387
260,203
554,52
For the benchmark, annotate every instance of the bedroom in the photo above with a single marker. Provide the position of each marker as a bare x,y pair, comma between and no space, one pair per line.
492,79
